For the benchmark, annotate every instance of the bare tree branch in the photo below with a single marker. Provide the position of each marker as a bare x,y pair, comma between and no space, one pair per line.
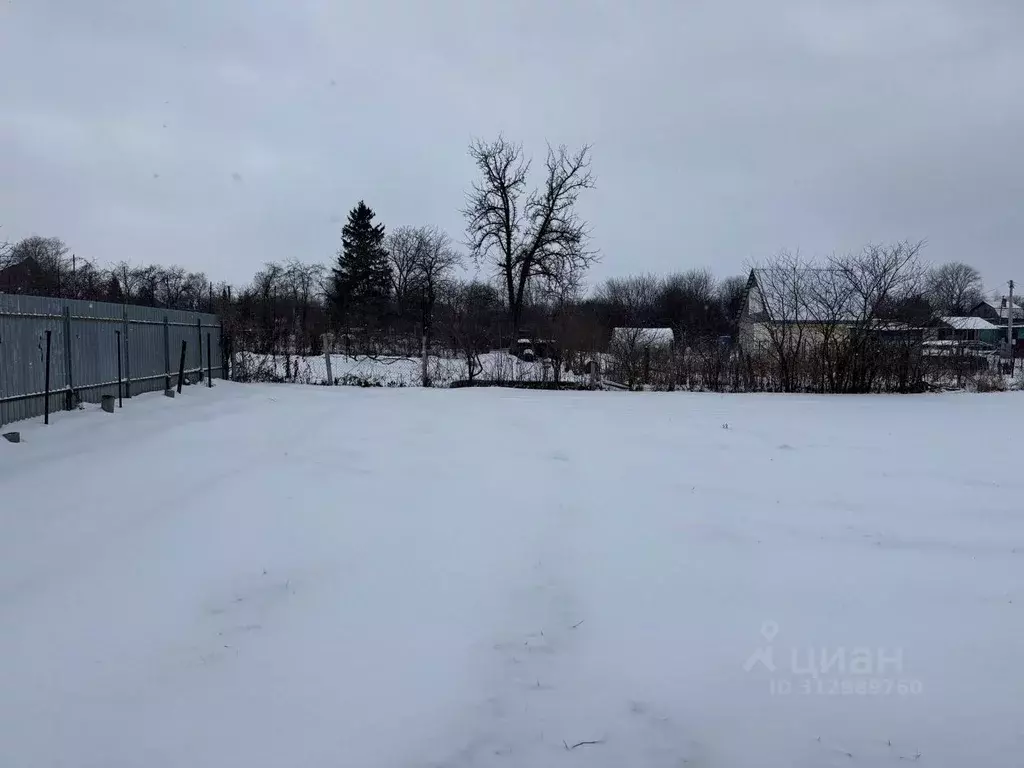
582,744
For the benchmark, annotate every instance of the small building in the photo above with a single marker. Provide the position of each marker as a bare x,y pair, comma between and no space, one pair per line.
773,310
998,312
24,276
969,329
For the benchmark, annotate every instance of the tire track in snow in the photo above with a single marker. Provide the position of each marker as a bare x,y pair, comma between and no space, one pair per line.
542,703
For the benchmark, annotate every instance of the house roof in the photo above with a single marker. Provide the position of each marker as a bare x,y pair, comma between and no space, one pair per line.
802,295
969,323
25,262
1002,312
649,336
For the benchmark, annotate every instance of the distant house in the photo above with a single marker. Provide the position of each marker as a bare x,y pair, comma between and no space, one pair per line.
25,276
998,312
969,329
803,307
766,308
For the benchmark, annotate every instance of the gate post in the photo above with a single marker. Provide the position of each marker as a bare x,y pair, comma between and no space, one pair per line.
127,356
167,354
327,341
69,401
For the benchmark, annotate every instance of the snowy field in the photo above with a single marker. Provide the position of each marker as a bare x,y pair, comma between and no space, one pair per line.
284,575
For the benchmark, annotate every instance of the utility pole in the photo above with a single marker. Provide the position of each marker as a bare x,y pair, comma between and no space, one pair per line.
1009,328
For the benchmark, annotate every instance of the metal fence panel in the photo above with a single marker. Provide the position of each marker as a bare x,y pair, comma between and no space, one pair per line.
145,349
83,350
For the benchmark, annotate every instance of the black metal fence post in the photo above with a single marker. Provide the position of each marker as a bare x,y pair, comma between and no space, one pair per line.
120,389
69,401
127,355
199,341
181,366
46,391
225,353
209,362
167,354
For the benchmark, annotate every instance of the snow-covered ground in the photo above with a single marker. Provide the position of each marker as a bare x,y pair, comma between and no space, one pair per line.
261,575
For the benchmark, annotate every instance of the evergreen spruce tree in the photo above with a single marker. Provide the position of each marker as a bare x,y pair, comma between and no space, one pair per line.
361,278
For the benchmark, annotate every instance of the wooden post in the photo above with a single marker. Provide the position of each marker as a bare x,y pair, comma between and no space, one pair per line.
327,340
181,366
209,362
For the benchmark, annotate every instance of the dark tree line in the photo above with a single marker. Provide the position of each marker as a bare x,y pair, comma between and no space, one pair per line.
46,266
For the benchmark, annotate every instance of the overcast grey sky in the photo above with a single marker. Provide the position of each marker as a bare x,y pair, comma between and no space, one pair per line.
220,134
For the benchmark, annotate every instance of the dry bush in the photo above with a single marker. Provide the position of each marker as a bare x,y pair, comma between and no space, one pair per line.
989,382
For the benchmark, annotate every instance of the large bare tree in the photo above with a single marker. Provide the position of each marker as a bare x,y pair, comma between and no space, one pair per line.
629,301
830,305
780,304
687,303
878,278
436,259
422,260
6,259
54,265
880,275
305,285
729,294
127,278
403,245
528,236
954,288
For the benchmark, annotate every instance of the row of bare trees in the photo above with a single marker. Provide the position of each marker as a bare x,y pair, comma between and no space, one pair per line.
830,326
833,326
46,266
